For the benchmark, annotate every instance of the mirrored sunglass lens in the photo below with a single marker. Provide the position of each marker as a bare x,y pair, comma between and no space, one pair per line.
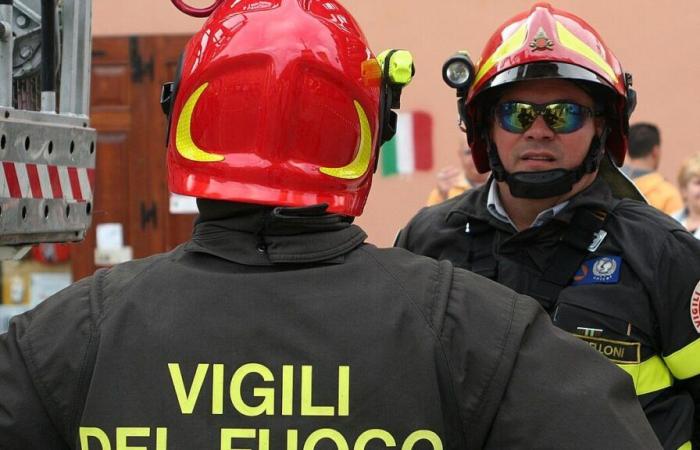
516,117
564,117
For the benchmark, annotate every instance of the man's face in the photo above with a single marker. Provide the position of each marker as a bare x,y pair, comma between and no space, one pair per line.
539,148
691,193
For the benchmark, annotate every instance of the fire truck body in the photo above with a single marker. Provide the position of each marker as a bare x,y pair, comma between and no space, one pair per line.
47,147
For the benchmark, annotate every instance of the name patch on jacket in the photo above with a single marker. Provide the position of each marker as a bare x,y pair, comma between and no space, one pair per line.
616,351
600,270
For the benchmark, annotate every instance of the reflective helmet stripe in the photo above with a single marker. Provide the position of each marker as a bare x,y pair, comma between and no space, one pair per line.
570,41
183,139
360,164
507,48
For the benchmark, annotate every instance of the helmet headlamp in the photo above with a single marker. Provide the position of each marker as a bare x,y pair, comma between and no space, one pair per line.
458,72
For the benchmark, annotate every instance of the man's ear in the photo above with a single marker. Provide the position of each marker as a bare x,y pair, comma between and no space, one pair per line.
599,125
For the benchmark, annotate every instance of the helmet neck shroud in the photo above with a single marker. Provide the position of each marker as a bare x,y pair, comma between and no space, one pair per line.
546,183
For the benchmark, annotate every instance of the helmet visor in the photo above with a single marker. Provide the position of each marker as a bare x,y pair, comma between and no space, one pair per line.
542,71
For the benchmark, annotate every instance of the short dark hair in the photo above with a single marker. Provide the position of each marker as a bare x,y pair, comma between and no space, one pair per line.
643,138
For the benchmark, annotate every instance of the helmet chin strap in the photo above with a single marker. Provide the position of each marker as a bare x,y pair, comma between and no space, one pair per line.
546,183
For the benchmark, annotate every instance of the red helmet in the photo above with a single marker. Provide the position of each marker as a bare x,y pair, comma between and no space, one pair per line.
277,103
549,43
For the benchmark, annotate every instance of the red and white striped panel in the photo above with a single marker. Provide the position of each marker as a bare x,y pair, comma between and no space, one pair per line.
20,180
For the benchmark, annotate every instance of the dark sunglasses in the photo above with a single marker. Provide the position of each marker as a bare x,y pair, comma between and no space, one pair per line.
561,117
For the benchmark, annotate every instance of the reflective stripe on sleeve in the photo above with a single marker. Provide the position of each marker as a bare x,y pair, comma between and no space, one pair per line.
649,376
685,363
687,446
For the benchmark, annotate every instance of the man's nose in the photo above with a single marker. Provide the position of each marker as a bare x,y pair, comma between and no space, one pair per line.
539,130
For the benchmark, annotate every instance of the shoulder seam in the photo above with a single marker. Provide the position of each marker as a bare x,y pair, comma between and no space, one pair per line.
663,219
403,289
504,341
44,391
83,380
434,278
106,308
435,332
450,371
95,294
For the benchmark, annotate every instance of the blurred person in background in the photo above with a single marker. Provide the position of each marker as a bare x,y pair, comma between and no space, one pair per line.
642,166
689,183
453,181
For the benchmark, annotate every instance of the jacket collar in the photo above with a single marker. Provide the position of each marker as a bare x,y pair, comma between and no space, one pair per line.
597,196
472,205
262,236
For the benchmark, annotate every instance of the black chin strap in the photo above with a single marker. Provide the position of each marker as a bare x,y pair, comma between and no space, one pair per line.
546,183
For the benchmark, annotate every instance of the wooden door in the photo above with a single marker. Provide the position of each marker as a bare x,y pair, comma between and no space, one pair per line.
131,183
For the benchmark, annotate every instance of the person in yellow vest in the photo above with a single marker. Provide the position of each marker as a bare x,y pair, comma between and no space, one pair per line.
642,166
451,181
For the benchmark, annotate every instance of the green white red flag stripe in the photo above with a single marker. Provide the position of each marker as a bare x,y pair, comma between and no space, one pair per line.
411,148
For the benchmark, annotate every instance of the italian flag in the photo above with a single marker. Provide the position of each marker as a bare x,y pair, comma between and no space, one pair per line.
411,148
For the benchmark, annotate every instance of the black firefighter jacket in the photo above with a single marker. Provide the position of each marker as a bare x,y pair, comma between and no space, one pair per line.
282,329
635,296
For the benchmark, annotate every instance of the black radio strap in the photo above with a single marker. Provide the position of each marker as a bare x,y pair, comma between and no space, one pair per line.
473,246
573,248
481,257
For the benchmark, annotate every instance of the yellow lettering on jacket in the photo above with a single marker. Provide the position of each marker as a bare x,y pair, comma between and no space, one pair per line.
422,435
228,434
326,433
287,390
187,393
292,439
307,406
124,433
161,438
187,400
141,438
217,394
91,432
343,391
124,437
267,406
377,434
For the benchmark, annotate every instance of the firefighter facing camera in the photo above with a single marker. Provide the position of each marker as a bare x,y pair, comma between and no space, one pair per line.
547,111
276,326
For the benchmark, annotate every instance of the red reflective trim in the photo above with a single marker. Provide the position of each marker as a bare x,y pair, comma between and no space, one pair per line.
12,180
55,182
75,183
34,181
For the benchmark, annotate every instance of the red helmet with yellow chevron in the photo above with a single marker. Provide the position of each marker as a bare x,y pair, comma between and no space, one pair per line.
278,103
549,43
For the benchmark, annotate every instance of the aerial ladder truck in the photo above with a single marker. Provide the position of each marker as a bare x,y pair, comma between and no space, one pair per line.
47,147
